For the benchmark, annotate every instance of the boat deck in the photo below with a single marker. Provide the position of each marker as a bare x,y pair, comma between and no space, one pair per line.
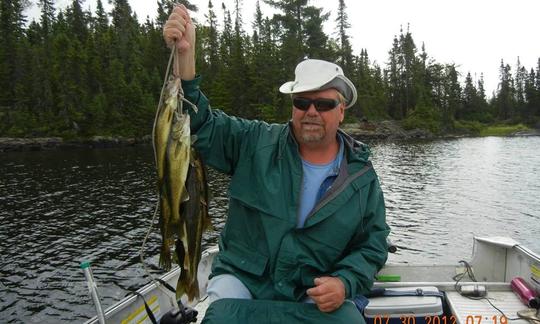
465,310
201,309
470,311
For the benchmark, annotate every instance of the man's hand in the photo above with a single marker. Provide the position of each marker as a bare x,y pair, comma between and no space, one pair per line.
179,30
328,293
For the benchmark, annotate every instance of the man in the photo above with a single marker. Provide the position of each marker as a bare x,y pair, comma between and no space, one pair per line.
306,219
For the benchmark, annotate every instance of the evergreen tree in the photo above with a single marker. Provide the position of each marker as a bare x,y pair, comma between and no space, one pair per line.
77,21
47,18
211,50
505,99
453,96
78,75
263,70
12,21
101,22
291,32
345,54
238,72
315,38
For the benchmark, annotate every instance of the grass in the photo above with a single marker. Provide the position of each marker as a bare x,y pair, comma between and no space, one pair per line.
502,130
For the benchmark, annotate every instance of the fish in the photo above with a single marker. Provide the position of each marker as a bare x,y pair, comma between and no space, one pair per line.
168,126
163,124
182,188
196,221
173,190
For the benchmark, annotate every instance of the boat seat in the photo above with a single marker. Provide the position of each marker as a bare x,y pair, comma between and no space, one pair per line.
470,311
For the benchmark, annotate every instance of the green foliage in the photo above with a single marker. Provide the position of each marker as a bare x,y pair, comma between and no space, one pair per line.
424,117
502,130
481,129
80,74
472,127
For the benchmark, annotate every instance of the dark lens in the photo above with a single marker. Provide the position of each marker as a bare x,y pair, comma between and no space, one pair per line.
302,103
325,104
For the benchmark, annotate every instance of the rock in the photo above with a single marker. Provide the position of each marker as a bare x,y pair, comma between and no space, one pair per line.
530,132
383,130
9,144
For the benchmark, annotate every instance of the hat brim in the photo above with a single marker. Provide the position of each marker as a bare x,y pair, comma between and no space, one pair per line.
290,88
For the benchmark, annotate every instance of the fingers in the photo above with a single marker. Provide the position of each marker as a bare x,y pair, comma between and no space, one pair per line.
328,307
328,293
175,27
321,280
315,291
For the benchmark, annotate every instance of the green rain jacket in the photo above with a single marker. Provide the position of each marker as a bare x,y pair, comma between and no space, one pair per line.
344,236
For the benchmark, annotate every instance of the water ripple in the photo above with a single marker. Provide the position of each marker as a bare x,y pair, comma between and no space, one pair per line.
63,207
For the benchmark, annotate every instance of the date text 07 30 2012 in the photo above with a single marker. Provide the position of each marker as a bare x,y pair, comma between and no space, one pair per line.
434,319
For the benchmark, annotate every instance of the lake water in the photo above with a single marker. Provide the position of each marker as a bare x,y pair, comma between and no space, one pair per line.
59,208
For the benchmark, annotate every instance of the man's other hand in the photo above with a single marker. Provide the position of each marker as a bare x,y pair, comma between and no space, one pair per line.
328,293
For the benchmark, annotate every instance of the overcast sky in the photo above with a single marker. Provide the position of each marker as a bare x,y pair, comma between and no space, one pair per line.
473,34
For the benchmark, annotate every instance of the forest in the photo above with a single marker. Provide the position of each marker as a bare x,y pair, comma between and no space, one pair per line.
76,74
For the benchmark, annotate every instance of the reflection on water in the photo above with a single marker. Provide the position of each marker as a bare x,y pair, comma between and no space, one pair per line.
62,207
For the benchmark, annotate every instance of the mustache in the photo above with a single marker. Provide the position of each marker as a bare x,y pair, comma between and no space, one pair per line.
311,120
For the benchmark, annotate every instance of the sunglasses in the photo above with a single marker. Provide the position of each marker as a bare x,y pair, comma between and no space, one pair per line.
321,104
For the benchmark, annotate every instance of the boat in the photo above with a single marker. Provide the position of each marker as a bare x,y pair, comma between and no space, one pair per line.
478,291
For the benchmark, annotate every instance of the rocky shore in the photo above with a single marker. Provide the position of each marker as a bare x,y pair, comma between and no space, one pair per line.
384,130
365,131
9,144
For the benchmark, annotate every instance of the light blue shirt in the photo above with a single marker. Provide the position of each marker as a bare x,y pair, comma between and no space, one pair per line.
313,177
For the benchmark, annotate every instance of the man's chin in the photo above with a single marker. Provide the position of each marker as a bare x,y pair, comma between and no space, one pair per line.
308,137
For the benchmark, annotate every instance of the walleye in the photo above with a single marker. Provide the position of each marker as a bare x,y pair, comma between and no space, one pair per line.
182,186
196,220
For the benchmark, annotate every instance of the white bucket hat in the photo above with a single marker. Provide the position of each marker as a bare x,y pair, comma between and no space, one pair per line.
315,75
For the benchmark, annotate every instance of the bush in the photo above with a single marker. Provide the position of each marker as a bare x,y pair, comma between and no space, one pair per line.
468,126
423,117
502,130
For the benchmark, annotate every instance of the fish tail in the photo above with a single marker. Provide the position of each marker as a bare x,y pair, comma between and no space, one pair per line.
187,285
193,290
183,283
165,260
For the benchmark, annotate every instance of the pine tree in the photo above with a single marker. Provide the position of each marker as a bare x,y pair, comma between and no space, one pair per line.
453,96
291,27
505,99
315,38
101,22
211,49
12,21
264,70
47,18
469,97
345,54
77,21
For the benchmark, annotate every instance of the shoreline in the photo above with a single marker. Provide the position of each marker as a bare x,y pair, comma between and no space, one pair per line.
386,130
12,144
